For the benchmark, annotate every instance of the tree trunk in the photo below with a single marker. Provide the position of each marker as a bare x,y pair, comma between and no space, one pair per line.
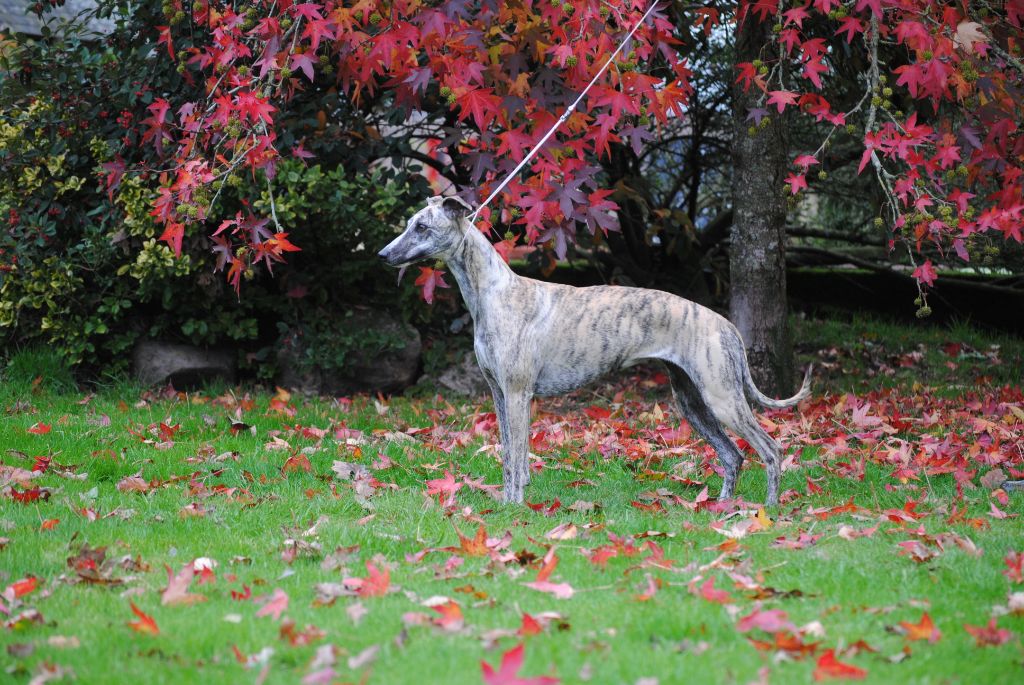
757,258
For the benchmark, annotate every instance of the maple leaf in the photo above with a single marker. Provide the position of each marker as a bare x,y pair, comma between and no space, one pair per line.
145,624
29,495
781,98
482,103
618,100
39,429
925,273
771,621
813,69
922,630
475,546
530,626
275,604
605,124
763,8
176,591
254,108
748,75
308,10
796,182
133,484
874,5
446,486
561,53
20,588
796,16
559,590
707,17
910,76
967,34
165,38
428,280
851,26
451,618
1014,566
989,635
805,161
173,235
507,674
542,584
830,668
303,61
707,591
376,584
115,172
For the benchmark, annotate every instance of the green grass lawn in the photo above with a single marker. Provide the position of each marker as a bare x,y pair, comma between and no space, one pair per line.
232,476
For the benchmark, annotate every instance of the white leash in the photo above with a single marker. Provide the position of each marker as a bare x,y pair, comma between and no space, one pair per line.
565,115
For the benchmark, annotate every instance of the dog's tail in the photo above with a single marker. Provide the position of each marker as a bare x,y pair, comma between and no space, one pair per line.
764,400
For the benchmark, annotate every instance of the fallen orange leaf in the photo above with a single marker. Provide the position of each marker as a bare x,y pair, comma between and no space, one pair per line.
145,624
830,668
922,630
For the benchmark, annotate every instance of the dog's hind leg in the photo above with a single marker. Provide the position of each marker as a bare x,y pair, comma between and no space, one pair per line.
696,410
744,423
733,410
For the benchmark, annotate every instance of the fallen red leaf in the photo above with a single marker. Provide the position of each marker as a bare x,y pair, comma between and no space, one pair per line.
1014,566
542,584
176,591
445,489
786,642
29,495
922,630
511,662
830,668
39,429
530,626
298,462
21,587
475,546
707,591
451,618
989,635
376,584
275,605
771,621
145,624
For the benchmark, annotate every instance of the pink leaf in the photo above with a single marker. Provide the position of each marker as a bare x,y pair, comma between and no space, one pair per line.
511,662
276,605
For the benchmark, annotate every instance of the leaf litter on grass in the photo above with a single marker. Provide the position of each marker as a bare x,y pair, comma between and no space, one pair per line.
911,472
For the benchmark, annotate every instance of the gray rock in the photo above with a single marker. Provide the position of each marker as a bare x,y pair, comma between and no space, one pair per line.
183,366
465,377
384,368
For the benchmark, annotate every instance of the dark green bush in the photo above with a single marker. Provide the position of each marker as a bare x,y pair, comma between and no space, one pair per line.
82,268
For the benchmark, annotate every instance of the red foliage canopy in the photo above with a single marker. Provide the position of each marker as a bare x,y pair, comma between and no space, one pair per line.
503,72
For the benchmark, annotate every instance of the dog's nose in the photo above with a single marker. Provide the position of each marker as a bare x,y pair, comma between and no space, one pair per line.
382,255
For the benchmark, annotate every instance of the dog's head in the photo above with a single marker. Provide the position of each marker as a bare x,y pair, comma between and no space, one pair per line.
431,232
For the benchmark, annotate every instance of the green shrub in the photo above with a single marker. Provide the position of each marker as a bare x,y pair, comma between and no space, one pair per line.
83,271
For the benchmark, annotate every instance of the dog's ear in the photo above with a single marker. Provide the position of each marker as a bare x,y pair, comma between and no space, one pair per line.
434,201
455,207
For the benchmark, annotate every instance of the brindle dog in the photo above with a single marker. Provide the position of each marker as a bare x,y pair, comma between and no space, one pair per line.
534,338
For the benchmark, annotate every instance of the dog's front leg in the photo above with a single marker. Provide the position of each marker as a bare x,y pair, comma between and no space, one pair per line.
515,438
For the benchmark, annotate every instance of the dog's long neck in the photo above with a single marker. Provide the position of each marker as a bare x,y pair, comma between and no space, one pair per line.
478,269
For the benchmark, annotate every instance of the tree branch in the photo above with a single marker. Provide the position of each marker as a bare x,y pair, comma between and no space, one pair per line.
840,258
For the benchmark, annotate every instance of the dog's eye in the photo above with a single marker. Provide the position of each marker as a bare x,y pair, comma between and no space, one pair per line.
420,228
